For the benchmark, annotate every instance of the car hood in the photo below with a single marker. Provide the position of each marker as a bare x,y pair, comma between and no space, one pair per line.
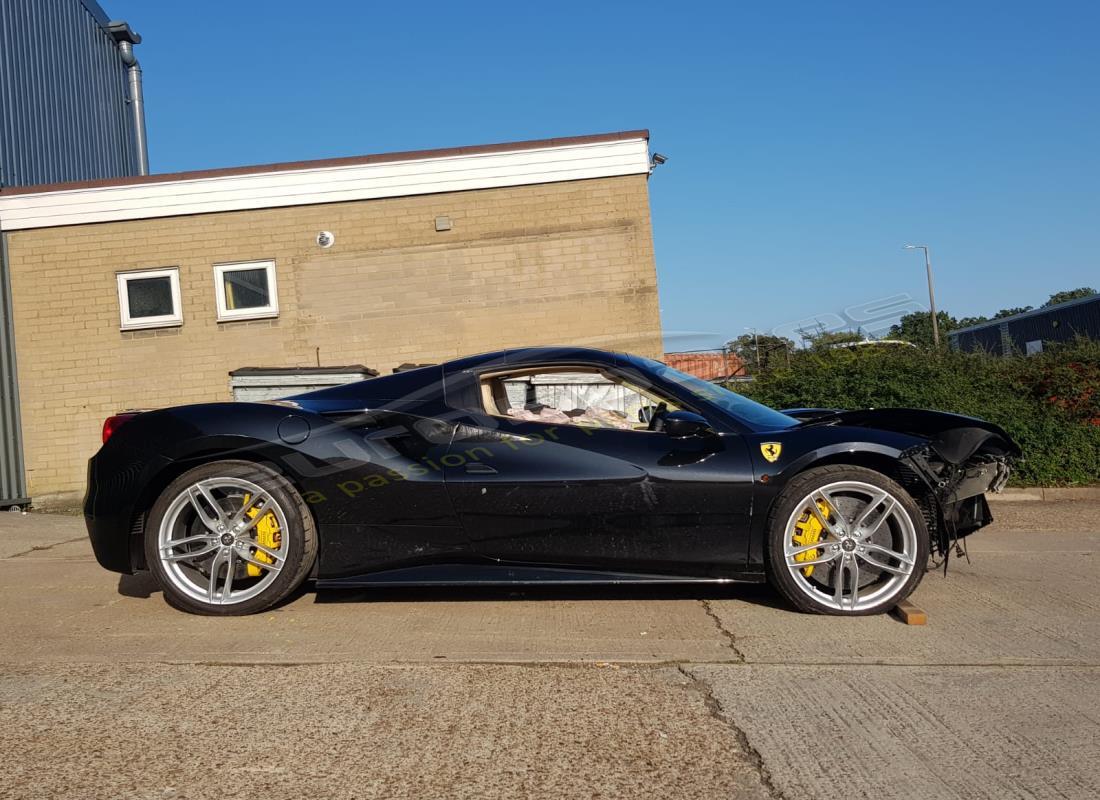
954,437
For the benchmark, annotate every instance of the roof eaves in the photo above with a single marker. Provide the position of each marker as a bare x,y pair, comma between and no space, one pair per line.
93,8
292,166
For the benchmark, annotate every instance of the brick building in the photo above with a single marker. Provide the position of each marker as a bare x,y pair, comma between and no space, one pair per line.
147,291
710,365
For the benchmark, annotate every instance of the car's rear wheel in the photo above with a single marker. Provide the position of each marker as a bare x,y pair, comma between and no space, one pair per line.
229,537
846,540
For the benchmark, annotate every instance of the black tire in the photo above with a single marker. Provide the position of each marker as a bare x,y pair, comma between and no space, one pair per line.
299,538
792,498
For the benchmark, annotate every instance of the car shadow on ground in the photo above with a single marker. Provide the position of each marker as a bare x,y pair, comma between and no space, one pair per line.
757,593
142,585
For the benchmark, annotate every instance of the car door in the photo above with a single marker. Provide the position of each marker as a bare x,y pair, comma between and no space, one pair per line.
374,482
603,498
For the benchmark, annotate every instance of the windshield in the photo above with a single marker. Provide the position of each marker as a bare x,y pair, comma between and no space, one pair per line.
748,411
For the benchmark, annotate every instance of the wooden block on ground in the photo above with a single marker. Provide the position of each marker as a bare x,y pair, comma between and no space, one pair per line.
910,614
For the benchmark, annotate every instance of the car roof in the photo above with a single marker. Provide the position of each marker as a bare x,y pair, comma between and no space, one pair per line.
519,356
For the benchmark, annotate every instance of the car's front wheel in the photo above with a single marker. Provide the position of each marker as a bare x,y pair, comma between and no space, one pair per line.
846,540
229,537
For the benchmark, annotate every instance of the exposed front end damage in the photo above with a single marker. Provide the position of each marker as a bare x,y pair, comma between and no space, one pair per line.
958,466
959,460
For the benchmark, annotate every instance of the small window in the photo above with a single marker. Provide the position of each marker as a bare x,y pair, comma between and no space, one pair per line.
246,291
150,298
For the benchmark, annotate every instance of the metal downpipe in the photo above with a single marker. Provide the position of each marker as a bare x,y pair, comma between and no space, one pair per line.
137,104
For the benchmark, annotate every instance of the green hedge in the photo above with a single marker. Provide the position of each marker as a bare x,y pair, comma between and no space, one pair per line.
1050,402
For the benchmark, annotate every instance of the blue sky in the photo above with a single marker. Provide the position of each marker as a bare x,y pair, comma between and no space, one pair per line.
807,141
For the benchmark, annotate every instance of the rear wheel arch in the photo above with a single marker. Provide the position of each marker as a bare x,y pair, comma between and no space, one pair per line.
164,477
221,481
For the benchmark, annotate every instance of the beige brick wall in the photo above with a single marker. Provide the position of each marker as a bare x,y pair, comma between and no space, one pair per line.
564,263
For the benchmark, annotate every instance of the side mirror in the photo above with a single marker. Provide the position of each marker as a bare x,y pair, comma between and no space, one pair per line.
679,424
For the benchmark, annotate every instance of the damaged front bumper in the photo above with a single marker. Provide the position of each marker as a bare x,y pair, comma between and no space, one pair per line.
958,461
956,504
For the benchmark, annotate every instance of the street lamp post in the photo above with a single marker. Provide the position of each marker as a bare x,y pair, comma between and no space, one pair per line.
931,292
756,344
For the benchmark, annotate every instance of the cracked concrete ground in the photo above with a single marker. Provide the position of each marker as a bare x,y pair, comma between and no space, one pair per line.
107,692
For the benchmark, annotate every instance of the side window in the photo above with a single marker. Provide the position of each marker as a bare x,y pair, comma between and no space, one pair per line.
149,299
573,397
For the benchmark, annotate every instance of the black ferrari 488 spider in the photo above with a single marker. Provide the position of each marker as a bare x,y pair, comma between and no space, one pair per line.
539,465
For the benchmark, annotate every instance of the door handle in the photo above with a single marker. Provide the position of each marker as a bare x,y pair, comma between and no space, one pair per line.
477,468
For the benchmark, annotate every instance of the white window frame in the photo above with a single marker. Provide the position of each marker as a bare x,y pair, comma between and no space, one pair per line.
128,323
226,314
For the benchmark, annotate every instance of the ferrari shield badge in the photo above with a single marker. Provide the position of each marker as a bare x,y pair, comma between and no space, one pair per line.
771,450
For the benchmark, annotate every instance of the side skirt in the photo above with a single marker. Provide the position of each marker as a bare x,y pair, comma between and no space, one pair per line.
493,574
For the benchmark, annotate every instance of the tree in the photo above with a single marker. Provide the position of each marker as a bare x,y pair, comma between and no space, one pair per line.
966,322
762,351
1072,294
1011,312
828,339
917,328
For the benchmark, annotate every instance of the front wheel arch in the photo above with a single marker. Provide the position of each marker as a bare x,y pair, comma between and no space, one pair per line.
788,500
882,462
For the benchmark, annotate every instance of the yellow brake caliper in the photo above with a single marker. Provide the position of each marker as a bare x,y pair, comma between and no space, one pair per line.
267,534
808,531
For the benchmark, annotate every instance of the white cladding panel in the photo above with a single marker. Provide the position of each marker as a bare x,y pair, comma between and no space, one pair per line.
311,186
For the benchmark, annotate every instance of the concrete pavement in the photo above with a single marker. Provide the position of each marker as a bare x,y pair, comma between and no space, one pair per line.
105,691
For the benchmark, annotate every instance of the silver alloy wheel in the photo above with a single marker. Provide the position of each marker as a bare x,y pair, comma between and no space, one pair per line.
208,533
866,551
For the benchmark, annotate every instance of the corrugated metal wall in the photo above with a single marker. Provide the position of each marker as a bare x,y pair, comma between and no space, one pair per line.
12,484
63,95
1058,325
1009,336
987,340
64,116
